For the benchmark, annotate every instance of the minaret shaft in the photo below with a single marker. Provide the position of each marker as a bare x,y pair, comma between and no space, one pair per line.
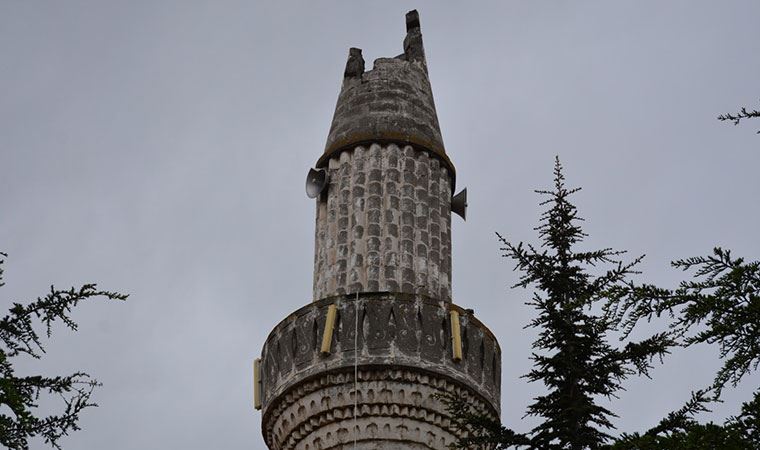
384,224
363,364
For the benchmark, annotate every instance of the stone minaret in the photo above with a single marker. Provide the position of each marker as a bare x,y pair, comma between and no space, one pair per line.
382,266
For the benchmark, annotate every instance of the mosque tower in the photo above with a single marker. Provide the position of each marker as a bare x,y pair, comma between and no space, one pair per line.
382,265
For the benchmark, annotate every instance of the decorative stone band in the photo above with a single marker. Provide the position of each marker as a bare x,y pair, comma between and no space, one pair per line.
384,224
397,407
404,343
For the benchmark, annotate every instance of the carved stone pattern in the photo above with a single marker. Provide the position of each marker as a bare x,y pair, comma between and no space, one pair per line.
394,329
397,408
384,224
404,337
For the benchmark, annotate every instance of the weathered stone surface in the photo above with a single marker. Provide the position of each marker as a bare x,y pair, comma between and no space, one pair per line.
393,102
395,409
404,350
383,258
377,231
355,63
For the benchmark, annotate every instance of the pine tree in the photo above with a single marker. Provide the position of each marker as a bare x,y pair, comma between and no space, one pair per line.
720,305
572,356
19,394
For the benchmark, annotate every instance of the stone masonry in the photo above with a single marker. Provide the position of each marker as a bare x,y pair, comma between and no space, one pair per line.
360,367
385,224
404,356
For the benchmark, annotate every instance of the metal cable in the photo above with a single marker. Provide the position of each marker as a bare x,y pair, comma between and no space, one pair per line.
356,365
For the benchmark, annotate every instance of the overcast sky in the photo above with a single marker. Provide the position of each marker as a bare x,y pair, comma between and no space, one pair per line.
160,149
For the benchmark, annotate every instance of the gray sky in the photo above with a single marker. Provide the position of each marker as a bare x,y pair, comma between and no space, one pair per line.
160,149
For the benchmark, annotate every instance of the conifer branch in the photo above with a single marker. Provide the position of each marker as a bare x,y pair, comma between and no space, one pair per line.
736,118
19,394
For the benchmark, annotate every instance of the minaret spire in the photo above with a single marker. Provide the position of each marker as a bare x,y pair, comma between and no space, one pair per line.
392,103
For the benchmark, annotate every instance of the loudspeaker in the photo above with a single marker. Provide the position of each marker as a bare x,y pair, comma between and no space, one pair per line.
316,182
459,204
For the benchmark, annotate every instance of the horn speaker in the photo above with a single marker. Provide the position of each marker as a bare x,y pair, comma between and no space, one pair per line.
459,204
316,182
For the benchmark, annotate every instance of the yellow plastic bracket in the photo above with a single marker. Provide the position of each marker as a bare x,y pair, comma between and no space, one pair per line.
257,383
456,336
332,311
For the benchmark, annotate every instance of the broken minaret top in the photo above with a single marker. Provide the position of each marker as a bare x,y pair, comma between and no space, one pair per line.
393,102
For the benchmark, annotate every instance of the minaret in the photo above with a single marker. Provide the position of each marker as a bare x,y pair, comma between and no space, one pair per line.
382,266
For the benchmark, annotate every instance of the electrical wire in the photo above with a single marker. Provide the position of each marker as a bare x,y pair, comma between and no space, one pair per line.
356,365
